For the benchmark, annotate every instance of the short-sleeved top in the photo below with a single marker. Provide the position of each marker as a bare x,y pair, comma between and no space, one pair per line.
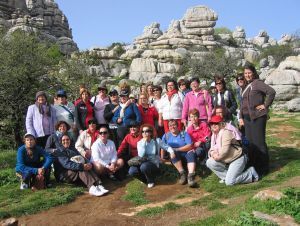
182,139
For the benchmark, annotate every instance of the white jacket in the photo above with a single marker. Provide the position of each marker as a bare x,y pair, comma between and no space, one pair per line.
170,109
84,142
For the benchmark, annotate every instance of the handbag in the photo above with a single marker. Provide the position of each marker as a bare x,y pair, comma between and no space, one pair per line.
137,161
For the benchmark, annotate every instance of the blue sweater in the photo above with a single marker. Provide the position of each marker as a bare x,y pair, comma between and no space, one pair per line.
31,165
131,113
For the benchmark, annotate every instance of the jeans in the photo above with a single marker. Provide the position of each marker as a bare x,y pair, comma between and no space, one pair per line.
189,156
232,173
146,172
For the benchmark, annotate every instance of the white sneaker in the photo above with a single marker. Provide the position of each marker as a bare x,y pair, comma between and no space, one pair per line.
221,181
150,185
102,189
95,191
23,186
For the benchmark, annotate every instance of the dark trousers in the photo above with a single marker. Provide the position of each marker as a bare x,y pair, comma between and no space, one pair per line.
146,172
41,141
255,131
121,133
88,178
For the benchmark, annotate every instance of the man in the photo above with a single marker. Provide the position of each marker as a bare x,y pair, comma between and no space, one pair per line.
182,145
33,164
104,155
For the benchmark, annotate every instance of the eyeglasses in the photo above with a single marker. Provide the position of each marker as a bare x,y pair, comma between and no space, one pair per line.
219,83
213,123
147,131
103,132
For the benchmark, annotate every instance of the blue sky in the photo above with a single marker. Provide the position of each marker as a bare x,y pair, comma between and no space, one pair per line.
101,22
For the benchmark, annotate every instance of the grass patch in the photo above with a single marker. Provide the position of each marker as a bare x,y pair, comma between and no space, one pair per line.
151,212
8,159
135,193
210,202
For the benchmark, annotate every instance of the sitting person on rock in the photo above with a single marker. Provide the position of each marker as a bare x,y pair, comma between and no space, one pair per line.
148,147
182,145
33,164
71,167
226,157
104,155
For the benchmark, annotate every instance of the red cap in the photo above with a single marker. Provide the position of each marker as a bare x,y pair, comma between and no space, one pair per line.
216,119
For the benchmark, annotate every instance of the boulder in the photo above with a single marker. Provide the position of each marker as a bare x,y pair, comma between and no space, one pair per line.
292,63
293,105
268,194
251,55
200,13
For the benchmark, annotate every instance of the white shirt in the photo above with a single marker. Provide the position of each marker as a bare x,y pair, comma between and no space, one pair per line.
104,153
170,109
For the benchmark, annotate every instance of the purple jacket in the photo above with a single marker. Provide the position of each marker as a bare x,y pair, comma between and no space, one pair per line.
203,106
34,121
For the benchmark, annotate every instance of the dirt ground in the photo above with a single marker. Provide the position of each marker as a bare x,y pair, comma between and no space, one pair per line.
110,209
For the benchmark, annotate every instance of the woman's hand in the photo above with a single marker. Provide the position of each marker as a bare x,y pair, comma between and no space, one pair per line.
241,122
88,154
197,144
87,166
119,120
260,107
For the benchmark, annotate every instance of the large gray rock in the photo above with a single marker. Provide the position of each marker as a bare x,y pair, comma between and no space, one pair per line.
293,105
291,63
142,70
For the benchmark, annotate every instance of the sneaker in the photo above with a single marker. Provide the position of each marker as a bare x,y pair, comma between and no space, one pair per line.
95,191
102,189
23,186
191,180
221,181
182,179
150,185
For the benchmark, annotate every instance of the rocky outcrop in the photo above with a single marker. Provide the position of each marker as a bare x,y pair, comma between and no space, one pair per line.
40,16
286,81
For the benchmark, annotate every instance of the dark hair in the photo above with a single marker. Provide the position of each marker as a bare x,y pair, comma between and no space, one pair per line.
183,81
220,78
252,68
103,126
195,80
154,133
239,76
194,111
157,87
172,120
174,82
224,110
57,125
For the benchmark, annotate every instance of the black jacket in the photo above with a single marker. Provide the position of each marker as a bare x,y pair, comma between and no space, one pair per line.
81,114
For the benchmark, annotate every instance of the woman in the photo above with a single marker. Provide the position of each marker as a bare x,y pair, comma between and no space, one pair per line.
198,99
149,113
200,133
184,88
149,147
70,168
84,111
109,111
40,119
157,90
104,155
257,97
224,97
53,143
240,81
150,94
125,114
87,138
100,101
33,164
182,145
226,158
170,107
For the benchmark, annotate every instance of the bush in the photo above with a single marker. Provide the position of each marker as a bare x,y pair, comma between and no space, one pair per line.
278,52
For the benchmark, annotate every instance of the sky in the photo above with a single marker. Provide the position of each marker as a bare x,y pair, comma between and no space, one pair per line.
102,22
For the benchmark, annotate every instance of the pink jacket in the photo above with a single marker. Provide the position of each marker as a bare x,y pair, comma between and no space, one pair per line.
199,134
203,106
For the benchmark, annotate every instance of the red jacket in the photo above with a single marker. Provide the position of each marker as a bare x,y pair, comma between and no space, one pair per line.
129,142
149,116
200,133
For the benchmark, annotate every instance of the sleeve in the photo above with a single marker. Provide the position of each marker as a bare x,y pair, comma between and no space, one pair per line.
155,113
209,104
116,115
29,121
160,106
141,148
53,117
137,113
114,154
47,157
226,144
206,132
20,166
79,145
70,165
77,116
185,107
123,146
164,146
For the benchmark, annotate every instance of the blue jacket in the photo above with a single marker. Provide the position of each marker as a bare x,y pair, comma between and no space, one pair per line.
31,165
131,113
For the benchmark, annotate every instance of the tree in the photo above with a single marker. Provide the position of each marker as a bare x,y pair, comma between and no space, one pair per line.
24,65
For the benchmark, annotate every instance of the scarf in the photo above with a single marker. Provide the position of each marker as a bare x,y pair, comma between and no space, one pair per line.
44,109
171,93
94,135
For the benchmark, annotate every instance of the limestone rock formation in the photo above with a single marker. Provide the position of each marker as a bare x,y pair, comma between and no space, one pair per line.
38,15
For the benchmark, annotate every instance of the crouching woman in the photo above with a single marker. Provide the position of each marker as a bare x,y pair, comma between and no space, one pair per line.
149,147
33,164
226,158
71,167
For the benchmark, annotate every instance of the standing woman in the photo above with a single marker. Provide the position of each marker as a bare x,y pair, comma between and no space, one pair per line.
149,113
40,119
170,106
100,101
150,94
84,111
257,97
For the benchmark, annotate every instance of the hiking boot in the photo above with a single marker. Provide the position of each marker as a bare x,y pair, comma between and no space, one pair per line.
182,179
191,180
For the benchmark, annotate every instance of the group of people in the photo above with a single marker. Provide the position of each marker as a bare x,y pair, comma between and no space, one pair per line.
98,136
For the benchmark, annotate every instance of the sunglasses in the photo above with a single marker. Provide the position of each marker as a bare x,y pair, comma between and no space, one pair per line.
155,90
147,131
103,132
213,123
219,83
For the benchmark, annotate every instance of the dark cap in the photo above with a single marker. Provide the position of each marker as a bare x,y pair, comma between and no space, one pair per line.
124,92
61,93
113,92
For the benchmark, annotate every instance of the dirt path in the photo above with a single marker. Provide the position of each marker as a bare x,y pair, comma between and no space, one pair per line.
112,210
